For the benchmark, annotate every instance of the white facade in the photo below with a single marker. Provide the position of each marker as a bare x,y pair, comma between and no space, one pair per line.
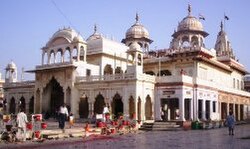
190,81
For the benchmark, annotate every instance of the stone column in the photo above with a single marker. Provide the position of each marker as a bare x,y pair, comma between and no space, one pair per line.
181,106
227,108
191,109
203,109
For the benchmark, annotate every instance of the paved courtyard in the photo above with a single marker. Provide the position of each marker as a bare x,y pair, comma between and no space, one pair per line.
193,139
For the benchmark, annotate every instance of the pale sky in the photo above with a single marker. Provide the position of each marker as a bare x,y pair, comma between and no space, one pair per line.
27,25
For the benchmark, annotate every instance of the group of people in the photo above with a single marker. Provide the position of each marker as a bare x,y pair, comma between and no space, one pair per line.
64,113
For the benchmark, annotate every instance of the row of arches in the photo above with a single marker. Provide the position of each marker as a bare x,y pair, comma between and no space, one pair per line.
14,105
117,106
63,55
109,70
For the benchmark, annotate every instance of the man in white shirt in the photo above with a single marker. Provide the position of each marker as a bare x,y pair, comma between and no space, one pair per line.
63,114
21,124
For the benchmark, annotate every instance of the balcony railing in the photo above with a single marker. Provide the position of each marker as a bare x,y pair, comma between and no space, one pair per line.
144,77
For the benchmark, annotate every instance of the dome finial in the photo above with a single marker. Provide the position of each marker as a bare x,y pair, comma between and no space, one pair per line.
221,26
95,28
137,17
189,9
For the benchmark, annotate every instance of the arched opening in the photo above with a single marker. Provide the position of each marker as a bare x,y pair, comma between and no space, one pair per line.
82,53
22,103
45,58
99,104
150,73
108,69
74,54
52,57
148,108
67,55
131,107
118,70
53,98
185,42
31,105
12,106
84,107
117,105
139,109
194,41
139,59
58,58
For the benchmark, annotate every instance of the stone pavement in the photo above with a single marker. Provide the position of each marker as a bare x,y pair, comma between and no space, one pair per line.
194,139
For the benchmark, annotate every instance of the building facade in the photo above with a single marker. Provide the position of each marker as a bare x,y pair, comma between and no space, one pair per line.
187,80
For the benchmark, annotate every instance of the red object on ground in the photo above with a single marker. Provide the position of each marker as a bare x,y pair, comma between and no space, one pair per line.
43,125
87,127
37,134
29,126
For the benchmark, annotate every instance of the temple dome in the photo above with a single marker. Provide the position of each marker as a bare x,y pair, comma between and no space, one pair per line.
190,23
67,33
11,66
137,30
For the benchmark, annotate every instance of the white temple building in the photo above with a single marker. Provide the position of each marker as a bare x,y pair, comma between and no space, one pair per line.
187,79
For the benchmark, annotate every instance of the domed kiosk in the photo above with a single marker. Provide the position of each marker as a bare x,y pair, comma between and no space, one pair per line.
190,32
138,33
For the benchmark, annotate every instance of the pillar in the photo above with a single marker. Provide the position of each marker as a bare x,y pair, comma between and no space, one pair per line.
203,109
182,106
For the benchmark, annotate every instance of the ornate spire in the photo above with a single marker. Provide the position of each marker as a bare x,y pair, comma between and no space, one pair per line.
137,18
189,9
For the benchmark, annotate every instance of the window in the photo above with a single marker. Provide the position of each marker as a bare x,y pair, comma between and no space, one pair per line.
214,106
88,72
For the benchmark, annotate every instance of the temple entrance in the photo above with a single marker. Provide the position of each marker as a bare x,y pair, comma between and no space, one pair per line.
117,106
170,108
83,107
99,104
53,98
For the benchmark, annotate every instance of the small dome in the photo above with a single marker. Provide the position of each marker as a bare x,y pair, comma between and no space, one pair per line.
190,23
137,30
95,35
67,33
11,65
135,46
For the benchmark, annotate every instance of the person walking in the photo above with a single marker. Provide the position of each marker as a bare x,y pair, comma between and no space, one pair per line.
21,124
230,121
63,114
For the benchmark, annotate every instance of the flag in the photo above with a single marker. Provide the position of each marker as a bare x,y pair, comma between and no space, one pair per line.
226,17
201,17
